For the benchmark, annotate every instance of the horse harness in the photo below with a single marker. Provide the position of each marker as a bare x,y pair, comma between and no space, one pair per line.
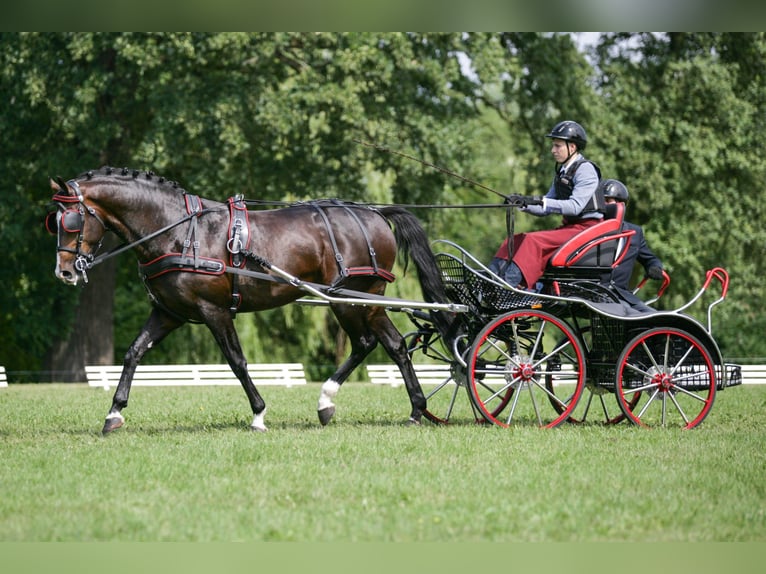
237,245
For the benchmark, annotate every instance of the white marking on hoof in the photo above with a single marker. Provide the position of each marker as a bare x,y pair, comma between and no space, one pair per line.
258,424
329,390
112,422
115,415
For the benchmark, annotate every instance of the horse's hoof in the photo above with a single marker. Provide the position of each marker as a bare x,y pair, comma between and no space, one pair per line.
412,422
258,429
325,415
112,424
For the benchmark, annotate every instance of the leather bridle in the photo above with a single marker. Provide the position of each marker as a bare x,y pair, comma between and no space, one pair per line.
70,218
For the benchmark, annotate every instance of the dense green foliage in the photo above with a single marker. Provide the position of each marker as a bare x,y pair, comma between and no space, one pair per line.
186,469
277,115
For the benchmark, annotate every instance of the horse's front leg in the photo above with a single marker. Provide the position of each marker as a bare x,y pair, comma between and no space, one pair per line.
220,323
326,407
157,326
353,321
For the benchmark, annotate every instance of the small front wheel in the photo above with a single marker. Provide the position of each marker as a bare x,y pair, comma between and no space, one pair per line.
514,363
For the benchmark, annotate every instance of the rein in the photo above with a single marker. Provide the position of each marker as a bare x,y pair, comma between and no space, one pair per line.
127,246
86,261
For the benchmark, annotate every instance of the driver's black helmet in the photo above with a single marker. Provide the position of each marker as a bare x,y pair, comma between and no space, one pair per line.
570,131
614,189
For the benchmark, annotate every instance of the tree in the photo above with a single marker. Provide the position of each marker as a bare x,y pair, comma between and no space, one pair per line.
273,116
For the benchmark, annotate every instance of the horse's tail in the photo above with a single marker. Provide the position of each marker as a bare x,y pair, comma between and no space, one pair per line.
412,242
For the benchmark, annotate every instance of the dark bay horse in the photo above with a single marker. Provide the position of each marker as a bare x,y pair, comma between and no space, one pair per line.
202,261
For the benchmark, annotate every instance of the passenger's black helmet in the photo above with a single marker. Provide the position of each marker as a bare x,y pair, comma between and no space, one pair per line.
614,189
570,131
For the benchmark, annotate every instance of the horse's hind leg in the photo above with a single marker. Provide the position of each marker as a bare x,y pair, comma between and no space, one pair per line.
157,326
220,323
365,329
396,347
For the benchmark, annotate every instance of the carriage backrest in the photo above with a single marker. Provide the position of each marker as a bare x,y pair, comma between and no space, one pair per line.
598,247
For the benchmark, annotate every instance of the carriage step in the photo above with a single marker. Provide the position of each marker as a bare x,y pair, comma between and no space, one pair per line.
287,374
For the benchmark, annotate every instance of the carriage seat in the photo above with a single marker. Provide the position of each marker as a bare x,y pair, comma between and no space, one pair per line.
594,250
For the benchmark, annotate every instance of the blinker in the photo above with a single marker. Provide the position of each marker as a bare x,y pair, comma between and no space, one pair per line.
51,225
71,221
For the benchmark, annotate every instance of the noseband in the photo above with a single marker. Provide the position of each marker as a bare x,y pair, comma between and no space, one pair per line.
71,219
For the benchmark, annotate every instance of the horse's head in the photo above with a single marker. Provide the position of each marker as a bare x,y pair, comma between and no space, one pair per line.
79,230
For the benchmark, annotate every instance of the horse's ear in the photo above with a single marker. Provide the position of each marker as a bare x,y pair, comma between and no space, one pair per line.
59,185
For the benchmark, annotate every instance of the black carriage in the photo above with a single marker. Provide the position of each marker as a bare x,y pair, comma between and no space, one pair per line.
554,355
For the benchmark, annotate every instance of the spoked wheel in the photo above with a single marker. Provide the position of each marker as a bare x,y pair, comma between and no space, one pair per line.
449,401
447,397
673,372
510,364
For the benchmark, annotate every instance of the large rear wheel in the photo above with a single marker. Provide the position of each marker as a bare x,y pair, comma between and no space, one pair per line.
674,374
515,361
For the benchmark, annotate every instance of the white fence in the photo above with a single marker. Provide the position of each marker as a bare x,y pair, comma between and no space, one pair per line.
389,374
754,374
287,374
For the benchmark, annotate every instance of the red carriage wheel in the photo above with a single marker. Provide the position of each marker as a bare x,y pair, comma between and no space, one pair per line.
510,363
675,375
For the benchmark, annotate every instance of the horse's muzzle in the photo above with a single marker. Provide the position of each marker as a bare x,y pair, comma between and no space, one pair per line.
68,276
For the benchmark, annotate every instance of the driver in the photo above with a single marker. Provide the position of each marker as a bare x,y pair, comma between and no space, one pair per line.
572,194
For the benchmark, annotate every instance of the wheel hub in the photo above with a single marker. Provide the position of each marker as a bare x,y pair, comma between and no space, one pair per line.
524,371
662,380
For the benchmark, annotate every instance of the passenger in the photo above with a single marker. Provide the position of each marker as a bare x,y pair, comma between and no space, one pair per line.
573,194
614,191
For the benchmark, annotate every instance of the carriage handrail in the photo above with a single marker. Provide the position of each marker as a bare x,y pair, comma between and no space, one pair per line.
660,291
491,276
723,277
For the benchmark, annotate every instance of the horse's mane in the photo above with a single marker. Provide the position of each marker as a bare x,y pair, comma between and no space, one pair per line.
125,173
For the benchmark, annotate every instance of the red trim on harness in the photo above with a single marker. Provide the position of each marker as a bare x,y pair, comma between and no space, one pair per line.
193,204
370,272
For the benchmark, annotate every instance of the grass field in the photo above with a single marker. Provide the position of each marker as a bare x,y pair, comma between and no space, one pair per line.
186,468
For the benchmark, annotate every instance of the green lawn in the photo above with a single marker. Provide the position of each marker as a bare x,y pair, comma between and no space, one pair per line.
186,468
